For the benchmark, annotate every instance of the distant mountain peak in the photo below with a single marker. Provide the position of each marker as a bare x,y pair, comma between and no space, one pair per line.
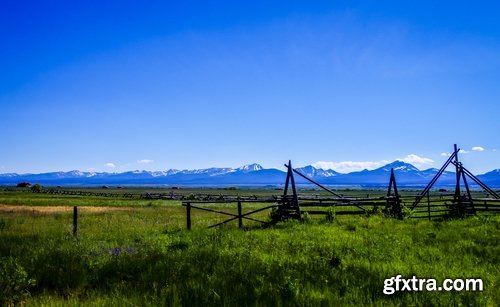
213,171
308,168
254,173
75,173
432,169
250,168
314,172
399,165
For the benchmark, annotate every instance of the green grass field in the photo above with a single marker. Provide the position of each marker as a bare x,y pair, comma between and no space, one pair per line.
134,252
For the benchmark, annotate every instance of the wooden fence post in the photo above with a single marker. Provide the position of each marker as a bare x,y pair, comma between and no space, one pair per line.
188,216
75,222
428,205
240,219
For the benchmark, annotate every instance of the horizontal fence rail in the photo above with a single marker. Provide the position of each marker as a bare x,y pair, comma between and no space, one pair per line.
434,204
195,205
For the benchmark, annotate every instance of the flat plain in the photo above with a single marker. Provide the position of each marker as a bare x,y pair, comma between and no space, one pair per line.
138,252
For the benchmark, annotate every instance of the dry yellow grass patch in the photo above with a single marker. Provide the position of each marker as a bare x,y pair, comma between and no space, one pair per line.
57,209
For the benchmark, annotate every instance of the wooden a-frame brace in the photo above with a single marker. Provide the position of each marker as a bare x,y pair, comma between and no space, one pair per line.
290,181
394,201
463,204
289,204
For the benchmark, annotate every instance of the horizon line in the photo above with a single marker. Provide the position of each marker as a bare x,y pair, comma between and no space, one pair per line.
212,167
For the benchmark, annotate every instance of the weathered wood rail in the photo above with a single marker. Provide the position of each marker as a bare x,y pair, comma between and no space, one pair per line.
423,205
290,205
435,207
190,205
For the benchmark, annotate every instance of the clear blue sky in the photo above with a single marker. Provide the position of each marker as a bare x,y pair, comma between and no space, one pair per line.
184,84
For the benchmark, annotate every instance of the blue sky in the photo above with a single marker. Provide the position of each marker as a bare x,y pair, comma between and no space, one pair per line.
183,84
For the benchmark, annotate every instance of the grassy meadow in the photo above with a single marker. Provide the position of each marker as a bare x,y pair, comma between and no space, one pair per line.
135,252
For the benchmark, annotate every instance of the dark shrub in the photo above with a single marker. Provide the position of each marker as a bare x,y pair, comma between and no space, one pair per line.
14,282
36,188
23,184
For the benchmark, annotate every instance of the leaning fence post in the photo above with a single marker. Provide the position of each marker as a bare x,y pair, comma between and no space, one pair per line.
75,222
240,219
188,216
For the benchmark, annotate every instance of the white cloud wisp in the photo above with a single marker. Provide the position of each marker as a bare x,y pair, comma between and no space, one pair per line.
417,161
350,166
110,165
356,166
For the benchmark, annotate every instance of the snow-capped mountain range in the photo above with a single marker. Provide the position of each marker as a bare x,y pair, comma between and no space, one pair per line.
252,174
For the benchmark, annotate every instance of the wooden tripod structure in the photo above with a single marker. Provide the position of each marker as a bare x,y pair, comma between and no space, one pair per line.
287,206
462,202
393,207
289,203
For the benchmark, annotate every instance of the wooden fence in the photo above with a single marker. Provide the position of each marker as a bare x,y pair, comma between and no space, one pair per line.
240,216
145,195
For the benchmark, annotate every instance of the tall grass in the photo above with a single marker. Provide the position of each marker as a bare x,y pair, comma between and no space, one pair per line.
146,257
